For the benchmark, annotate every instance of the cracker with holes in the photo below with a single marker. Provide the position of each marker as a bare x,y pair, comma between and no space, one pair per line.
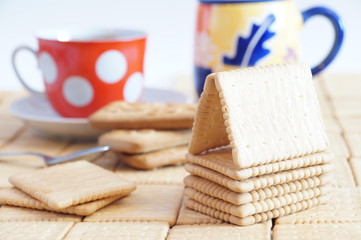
258,148
125,115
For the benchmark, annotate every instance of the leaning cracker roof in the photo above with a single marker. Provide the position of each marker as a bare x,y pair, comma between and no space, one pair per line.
266,114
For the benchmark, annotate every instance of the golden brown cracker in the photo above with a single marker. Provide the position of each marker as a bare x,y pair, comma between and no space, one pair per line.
69,184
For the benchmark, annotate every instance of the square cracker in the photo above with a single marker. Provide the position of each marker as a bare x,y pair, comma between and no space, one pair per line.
220,160
256,183
215,190
14,197
188,216
245,210
256,218
307,231
119,230
11,214
344,206
125,115
267,113
34,230
160,158
144,140
149,203
69,184
260,231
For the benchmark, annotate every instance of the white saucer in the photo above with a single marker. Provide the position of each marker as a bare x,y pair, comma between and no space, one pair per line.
39,115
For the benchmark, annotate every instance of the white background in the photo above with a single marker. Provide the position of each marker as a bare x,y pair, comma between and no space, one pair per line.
170,26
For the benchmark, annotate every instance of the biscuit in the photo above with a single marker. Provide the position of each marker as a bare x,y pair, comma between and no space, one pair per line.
17,198
256,218
68,184
215,190
34,230
329,231
160,158
119,230
125,115
256,183
11,214
149,203
252,208
143,141
286,124
260,231
220,160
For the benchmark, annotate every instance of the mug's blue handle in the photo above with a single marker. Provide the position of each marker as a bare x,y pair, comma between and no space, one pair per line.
339,33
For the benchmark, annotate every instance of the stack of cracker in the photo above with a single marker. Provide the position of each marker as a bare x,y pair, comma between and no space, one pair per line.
258,149
146,135
79,188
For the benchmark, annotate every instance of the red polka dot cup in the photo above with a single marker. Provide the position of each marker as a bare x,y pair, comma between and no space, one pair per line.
84,70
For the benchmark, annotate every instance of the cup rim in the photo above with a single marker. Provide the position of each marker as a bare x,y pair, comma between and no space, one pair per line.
90,34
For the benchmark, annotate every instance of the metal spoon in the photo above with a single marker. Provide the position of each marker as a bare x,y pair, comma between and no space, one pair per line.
49,160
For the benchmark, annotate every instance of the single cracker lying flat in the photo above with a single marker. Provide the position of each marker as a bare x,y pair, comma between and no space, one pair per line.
256,183
252,208
220,160
11,214
160,158
14,197
125,115
215,190
151,202
188,216
69,184
329,231
267,114
145,140
34,230
119,230
260,217
260,231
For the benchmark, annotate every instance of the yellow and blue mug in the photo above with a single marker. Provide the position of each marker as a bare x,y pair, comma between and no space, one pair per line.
240,33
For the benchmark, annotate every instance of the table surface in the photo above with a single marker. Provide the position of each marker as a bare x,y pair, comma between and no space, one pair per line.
155,209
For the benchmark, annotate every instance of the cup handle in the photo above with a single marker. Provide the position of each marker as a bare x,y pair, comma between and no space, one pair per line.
22,81
339,34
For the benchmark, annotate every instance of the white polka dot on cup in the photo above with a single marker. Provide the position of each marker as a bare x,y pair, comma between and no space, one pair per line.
77,91
111,66
48,67
133,87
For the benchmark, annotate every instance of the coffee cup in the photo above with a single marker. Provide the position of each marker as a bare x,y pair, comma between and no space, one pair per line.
240,33
84,70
